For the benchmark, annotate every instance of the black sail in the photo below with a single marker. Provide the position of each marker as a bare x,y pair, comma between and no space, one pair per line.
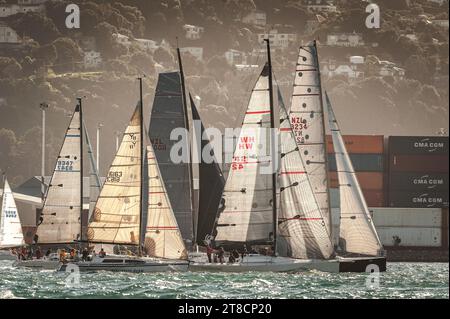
211,184
167,115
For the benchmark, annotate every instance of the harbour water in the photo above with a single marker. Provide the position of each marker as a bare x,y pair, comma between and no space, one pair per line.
402,280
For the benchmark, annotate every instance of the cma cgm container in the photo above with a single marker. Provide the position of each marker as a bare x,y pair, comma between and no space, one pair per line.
418,163
436,145
424,199
418,181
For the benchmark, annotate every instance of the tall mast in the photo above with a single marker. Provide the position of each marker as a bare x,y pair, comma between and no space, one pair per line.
81,166
141,145
186,124
330,223
272,151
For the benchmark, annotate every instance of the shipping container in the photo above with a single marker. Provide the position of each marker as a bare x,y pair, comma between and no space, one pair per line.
374,198
360,144
367,180
361,162
418,163
425,199
444,227
410,236
418,145
418,181
407,217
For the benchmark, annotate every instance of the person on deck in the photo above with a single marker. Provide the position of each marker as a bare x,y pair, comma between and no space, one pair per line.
85,254
72,254
48,252
209,252
221,255
102,253
235,255
38,253
62,255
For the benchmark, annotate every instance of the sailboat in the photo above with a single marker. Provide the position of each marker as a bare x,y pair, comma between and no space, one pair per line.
11,235
60,220
248,213
359,244
122,206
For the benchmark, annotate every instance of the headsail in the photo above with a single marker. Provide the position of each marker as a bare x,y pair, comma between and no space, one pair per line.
116,217
10,228
307,121
357,231
94,179
162,237
246,214
211,185
168,114
60,220
302,230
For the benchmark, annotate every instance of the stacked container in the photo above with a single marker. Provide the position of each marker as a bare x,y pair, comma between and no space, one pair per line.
418,171
367,155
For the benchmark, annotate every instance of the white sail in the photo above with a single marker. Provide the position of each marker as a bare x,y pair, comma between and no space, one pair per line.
162,237
307,121
301,226
246,215
357,231
60,220
94,179
116,217
10,228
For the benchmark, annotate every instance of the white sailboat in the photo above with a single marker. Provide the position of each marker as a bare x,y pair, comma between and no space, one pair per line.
359,244
118,217
249,209
11,235
60,220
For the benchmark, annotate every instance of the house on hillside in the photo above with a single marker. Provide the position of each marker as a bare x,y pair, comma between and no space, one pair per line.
441,23
122,39
92,59
146,44
320,6
278,40
440,2
353,69
234,57
7,10
193,32
8,35
345,39
256,18
196,52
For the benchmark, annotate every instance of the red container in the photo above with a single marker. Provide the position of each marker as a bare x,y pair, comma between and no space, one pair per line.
361,144
419,163
367,180
374,198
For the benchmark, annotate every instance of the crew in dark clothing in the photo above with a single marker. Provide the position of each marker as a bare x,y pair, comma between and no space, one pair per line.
244,252
235,254
85,254
38,253
209,251
221,255
47,254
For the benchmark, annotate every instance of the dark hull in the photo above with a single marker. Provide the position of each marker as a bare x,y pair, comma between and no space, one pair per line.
360,264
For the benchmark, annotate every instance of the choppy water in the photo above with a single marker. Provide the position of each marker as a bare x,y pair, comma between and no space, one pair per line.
402,280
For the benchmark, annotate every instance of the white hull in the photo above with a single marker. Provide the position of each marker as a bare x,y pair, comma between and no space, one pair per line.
38,264
118,263
261,263
7,255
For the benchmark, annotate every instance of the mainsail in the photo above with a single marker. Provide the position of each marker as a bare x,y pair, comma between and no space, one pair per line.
116,217
60,220
162,237
246,214
211,185
357,231
307,121
168,114
10,228
302,230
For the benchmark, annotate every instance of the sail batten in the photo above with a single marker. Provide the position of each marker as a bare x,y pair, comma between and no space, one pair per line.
117,213
301,224
247,191
307,120
357,231
11,234
60,220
